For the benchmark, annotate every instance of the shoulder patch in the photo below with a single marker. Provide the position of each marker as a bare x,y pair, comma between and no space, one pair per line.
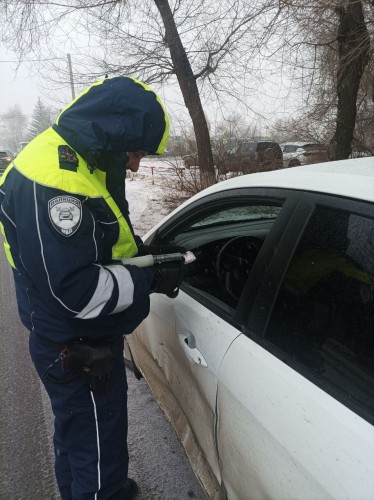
65,213
67,158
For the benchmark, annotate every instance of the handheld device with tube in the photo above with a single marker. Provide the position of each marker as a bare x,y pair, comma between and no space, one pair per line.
151,260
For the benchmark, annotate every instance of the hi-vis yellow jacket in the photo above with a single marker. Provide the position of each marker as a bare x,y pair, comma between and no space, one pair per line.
64,233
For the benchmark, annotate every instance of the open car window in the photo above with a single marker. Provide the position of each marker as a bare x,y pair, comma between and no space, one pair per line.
226,242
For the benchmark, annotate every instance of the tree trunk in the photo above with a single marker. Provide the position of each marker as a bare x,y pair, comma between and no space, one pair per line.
354,46
190,92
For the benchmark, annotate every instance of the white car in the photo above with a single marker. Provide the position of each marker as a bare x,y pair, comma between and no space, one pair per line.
303,153
264,362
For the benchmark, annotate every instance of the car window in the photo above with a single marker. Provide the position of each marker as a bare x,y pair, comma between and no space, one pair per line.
249,148
234,150
263,146
226,242
323,318
289,148
236,214
312,147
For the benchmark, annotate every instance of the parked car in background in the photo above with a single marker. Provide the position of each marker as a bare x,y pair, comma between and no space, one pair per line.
6,157
303,153
360,151
191,160
264,362
251,156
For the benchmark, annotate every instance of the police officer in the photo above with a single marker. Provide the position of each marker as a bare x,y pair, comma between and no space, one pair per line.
66,227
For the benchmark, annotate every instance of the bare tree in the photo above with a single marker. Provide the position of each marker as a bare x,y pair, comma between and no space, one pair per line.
354,46
190,92
209,47
328,45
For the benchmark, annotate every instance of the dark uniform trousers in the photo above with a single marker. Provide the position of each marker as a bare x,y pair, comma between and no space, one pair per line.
90,438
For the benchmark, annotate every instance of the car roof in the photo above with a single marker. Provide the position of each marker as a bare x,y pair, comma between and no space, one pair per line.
254,141
300,144
353,178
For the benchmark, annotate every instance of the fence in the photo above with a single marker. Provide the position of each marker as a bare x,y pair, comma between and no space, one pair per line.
161,168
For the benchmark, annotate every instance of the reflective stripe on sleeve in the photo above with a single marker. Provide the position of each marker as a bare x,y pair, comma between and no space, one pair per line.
101,296
125,287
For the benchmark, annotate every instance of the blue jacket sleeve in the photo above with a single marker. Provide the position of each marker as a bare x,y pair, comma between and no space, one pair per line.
63,251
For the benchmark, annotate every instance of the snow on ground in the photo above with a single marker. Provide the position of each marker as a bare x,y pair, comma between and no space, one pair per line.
144,192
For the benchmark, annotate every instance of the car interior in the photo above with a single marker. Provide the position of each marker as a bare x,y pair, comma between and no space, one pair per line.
225,245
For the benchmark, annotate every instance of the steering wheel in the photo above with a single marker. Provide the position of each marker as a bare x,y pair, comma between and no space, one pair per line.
234,262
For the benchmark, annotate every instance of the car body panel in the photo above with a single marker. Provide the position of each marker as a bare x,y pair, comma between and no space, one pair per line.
353,178
259,421
163,335
294,433
155,377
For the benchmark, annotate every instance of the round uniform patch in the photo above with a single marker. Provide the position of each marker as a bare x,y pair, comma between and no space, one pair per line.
65,213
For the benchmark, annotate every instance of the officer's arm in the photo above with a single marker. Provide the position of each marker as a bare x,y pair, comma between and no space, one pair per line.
63,259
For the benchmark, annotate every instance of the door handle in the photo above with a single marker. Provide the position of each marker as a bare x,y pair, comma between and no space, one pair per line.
188,344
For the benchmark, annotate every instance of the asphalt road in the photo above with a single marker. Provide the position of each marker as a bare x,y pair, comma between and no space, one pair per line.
157,459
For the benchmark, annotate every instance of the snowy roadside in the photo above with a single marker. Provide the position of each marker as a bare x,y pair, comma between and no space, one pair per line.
145,192
146,189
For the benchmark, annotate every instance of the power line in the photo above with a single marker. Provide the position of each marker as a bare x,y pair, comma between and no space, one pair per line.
32,60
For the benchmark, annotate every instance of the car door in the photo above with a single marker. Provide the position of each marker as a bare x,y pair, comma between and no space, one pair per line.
189,336
295,398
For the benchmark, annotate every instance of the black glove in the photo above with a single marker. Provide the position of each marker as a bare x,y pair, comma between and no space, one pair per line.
159,249
168,278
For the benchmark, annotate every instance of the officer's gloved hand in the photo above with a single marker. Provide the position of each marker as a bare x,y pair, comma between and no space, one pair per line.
159,249
168,278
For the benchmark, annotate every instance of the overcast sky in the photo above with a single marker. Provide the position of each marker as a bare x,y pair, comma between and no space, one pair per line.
22,86
19,86
16,87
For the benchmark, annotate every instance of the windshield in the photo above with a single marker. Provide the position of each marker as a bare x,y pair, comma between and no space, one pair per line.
244,148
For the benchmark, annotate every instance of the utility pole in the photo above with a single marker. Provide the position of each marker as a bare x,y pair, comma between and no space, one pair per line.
71,77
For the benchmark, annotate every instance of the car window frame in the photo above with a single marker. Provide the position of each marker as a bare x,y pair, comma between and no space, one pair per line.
289,198
267,294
